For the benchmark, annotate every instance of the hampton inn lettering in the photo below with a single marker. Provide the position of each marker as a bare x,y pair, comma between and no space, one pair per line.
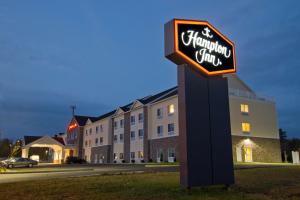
199,44
205,49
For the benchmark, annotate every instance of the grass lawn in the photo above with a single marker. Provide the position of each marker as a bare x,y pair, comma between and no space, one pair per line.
260,183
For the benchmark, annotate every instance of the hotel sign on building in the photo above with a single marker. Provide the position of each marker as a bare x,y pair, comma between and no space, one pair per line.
199,44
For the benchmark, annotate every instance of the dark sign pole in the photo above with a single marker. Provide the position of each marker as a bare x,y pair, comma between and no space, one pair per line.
204,119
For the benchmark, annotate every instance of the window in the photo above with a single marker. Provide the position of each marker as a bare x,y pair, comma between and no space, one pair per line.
160,130
115,156
115,138
171,109
140,154
132,135
141,133
121,156
132,155
97,129
159,113
141,117
132,120
101,128
89,143
91,130
86,132
96,141
122,123
171,129
171,152
121,137
101,140
115,124
246,127
86,143
244,108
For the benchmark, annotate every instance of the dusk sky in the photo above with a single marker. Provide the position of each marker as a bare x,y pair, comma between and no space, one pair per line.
97,55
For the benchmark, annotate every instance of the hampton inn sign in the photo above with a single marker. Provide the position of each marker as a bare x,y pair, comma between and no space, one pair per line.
200,44
202,54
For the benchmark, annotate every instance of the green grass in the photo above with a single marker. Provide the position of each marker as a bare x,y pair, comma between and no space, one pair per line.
262,183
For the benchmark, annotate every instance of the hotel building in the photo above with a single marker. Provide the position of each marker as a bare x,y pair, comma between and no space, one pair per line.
146,130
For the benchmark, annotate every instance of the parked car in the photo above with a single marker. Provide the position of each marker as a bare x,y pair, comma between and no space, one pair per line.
18,162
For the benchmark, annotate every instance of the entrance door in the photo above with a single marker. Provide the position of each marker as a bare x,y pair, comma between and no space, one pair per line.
248,154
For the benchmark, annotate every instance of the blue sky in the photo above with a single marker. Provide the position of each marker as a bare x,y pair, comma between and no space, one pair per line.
99,55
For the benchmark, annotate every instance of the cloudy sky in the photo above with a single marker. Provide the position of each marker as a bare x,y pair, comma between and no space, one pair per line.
99,55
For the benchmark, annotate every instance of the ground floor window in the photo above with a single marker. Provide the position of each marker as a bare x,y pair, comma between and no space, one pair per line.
171,155
140,154
121,156
132,155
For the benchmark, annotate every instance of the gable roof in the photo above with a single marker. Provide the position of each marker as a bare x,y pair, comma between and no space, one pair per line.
151,98
29,139
81,120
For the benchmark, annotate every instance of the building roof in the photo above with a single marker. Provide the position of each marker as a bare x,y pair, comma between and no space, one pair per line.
81,120
29,139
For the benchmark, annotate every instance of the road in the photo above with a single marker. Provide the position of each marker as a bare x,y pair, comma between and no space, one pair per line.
38,173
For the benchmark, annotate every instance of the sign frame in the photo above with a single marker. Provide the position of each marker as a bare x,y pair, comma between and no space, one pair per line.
173,53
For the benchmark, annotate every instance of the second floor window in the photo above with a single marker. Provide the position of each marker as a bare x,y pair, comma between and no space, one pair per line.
115,138
171,129
101,128
246,127
160,130
122,123
132,135
97,129
91,131
121,137
141,133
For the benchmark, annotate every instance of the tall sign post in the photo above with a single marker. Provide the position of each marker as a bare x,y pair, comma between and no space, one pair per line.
202,54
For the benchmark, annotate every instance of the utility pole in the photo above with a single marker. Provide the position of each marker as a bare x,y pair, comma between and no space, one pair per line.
73,107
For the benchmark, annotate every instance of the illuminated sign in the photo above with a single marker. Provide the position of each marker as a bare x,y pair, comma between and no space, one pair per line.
72,126
199,44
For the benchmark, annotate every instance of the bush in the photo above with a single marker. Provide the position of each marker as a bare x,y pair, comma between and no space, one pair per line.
75,160
142,161
132,161
115,161
123,161
150,160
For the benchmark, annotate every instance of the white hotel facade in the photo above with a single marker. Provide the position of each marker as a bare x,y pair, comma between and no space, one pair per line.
146,130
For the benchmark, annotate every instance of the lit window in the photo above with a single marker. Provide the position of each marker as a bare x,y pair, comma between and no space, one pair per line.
246,127
140,154
244,108
115,156
171,109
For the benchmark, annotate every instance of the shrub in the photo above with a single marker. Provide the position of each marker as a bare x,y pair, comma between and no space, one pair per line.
132,161
75,160
123,161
